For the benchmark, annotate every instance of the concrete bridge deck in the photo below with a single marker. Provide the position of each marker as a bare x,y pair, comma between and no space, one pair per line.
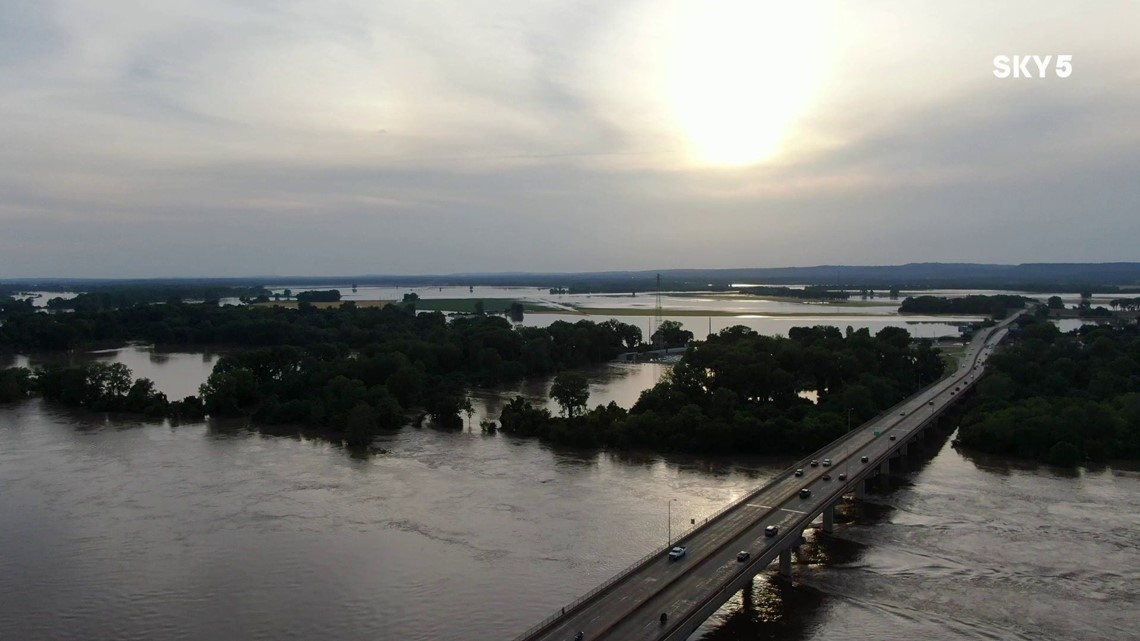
628,606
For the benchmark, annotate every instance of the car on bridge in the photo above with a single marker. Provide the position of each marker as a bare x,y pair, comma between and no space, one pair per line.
771,530
742,556
862,459
805,493
677,552
800,472
827,477
842,476
827,462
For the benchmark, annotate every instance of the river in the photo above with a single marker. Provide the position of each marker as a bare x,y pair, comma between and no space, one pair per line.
132,530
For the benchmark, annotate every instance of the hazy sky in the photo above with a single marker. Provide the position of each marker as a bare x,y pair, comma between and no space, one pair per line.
317,137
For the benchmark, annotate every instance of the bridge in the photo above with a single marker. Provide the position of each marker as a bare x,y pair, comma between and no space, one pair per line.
627,607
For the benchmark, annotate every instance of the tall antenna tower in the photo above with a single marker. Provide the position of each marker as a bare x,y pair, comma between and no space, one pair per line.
657,319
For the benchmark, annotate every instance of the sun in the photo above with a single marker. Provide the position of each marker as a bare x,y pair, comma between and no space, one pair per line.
742,72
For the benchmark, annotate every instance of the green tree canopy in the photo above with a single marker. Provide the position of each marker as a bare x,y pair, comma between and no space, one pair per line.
571,391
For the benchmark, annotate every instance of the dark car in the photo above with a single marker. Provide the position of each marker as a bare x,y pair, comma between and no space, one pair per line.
827,477
771,530
892,437
842,476
799,472
742,555
805,493
863,459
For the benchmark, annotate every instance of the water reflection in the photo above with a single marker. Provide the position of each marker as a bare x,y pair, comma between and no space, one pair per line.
771,608
176,374
1005,466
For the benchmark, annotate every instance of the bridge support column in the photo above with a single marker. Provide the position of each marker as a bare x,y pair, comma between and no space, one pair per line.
829,519
885,467
902,450
786,562
861,489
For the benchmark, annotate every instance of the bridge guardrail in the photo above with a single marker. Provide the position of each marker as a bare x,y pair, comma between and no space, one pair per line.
637,565
793,531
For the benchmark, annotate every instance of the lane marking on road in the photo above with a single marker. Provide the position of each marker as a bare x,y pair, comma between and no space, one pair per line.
763,507
786,509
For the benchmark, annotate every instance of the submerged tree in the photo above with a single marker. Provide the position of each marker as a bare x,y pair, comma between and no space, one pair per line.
571,391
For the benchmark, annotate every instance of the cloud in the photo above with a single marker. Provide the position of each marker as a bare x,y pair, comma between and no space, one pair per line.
210,137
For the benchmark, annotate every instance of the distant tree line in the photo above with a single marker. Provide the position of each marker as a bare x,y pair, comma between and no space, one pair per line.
101,387
1060,398
127,296
1125,304
742,392
997,305
319,296
343,370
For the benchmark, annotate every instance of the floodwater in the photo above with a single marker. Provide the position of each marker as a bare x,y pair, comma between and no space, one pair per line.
766,316
132,530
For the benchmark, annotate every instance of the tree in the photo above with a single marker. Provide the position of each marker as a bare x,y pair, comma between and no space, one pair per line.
1064,454
1055,302
361,425
571,391
468,409
671,334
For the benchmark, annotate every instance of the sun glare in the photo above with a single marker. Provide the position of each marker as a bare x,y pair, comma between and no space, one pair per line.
742,73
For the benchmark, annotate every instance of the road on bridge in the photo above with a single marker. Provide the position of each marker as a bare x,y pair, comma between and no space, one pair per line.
630,608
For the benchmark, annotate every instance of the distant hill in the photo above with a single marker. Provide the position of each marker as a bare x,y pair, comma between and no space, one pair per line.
1104,277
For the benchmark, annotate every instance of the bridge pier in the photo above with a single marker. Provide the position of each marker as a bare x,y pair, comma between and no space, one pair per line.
902,450
829,519
861,489
786,562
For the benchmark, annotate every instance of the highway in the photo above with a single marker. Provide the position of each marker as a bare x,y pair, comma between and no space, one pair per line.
691,588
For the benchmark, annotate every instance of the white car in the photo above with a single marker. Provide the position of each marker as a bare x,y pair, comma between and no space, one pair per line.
676,553
827,462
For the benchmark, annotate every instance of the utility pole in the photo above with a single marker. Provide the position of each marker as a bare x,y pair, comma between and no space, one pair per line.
669,526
